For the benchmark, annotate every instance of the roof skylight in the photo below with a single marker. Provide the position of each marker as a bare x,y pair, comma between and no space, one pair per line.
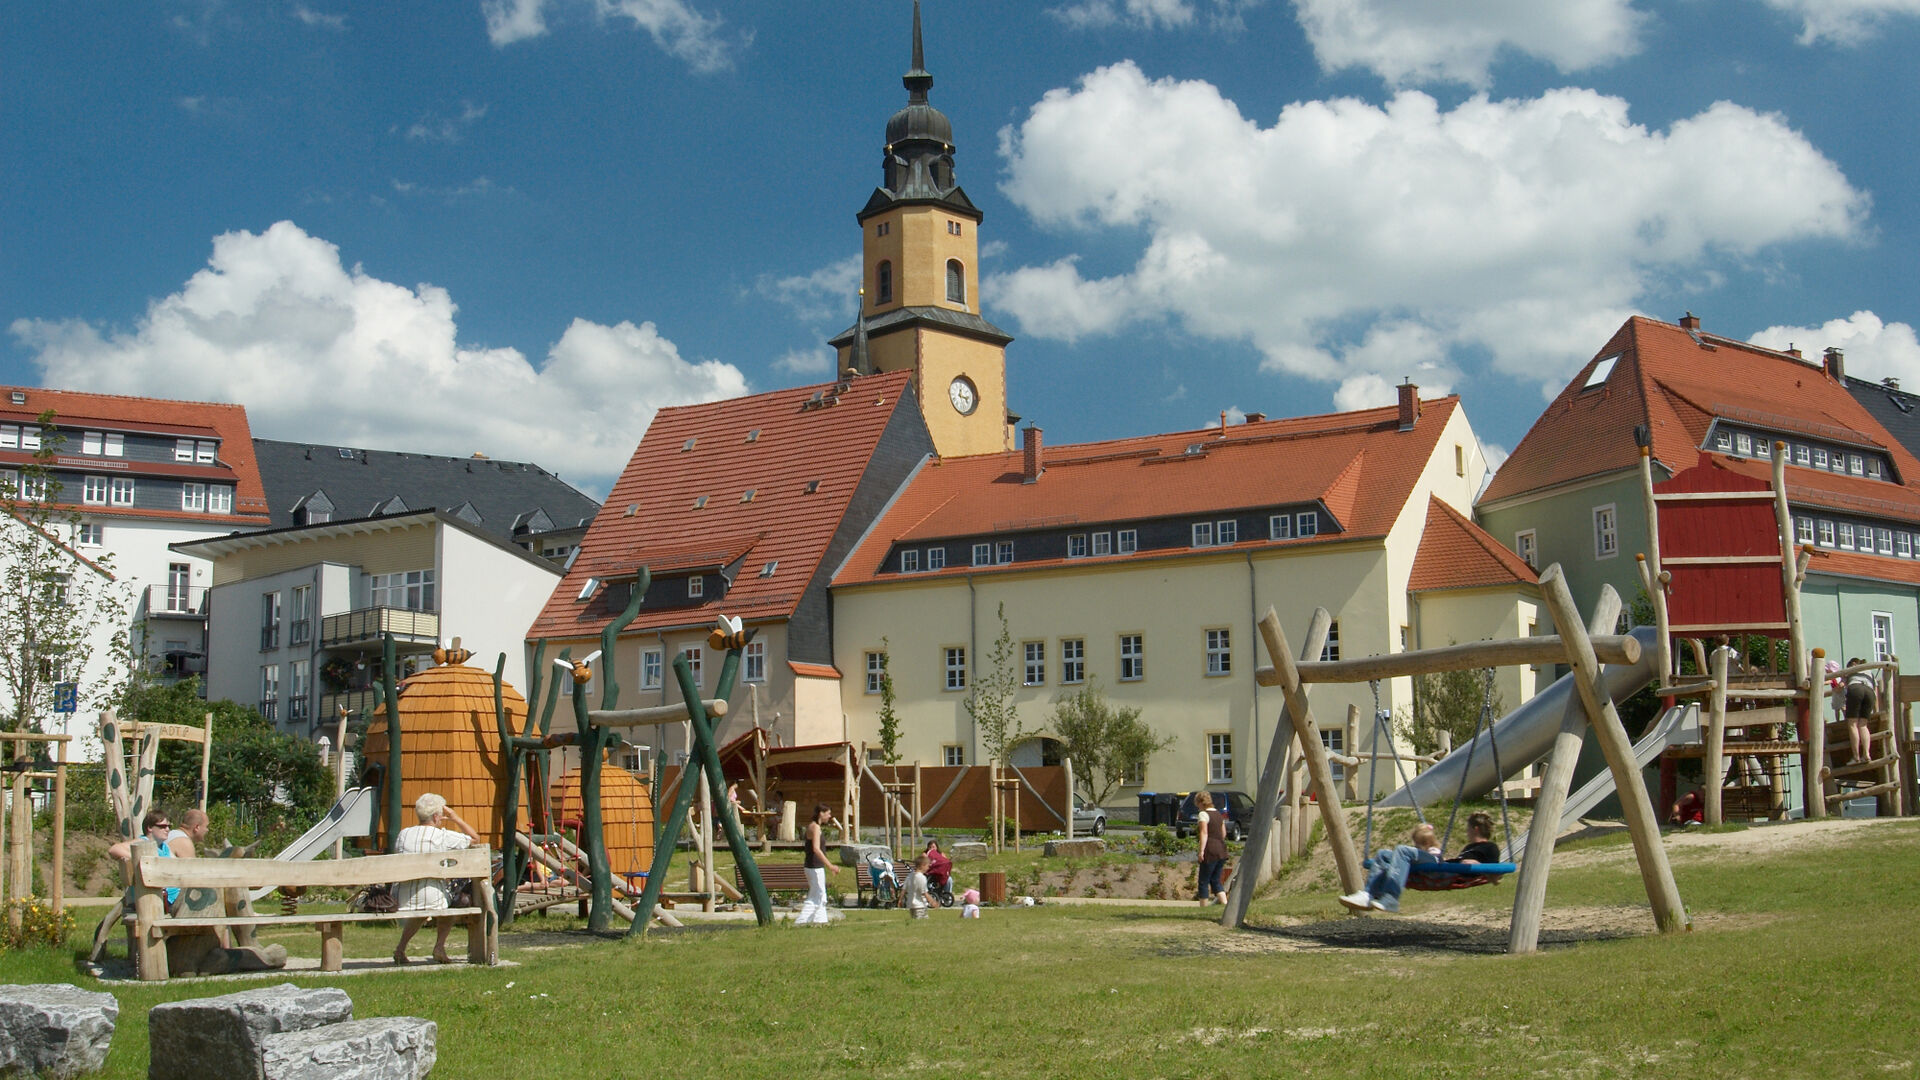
1601,370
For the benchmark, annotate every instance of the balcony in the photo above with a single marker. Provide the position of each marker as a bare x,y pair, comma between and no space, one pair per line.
355,701
299,709
300,632
363,629
177,601
270,637
270,708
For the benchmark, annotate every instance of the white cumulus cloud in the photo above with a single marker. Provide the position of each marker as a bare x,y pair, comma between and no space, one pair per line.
827,293
1420,41
1148,14
1843,22
1874,349
320,351
1347,238
675,26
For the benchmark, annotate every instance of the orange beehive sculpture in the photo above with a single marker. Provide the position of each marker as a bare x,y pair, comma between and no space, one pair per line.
626,815
450,743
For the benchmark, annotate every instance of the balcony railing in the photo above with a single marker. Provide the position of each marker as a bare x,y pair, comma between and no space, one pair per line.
183,601
300,632
270,637
366,625
356,701
270,708
299,709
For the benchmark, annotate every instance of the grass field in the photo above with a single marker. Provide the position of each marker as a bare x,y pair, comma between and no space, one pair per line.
1801,963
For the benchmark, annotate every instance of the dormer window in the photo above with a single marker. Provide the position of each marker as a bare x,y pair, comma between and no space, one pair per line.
910,561
696,586
1723,441
1743,443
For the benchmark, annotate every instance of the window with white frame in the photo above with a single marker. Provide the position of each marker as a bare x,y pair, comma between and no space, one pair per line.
953,755
1873,467
115,445
1723,440
1331,650
120,491
1762,448
183,449
1280,527
1856,465
1034,672
956,667
1133,657
1826,533
92,443
1103,543
1606,532
1077,546
1882,636
983,554
1219,652
1803,530
33,488
876,671
1073,660
1883,541
652,664
693,655
1526,544
1743,443
1336,743
753,662
93,491
270,691
696,586
1126,541
1226,532
1003,551
1203,534
910,561
1306,523
193,497
1219,757
412,590
1846,536
1819,458
9,436
89,534
936,558
219,499
1903,544
1802,455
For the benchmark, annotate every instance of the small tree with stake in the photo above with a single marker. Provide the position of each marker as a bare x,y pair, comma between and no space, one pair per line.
990,701
1105,743
889,716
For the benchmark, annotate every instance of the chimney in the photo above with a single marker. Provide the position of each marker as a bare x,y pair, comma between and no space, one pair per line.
1030,441
1256,418
1836,364
1689,321
1409,405
1794,351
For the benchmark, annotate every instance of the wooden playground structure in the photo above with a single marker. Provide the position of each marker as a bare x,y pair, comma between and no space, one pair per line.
16,819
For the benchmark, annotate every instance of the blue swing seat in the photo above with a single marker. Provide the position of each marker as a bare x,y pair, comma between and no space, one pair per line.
1442,876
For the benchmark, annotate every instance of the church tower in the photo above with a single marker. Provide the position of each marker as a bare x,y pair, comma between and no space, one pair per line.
920,303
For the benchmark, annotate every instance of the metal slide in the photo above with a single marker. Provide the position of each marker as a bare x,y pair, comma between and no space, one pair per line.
1525,735
1679,725
352,815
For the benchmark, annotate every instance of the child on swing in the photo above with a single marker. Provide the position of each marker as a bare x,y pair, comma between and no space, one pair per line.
1390,871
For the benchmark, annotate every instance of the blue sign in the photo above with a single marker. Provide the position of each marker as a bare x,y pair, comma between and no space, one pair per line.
66,697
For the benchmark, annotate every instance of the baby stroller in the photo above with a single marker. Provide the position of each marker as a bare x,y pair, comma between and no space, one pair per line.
887,890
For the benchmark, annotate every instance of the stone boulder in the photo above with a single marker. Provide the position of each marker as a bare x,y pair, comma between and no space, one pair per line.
389,1048
224,1036
968,851
855,854
54,1030
1075,849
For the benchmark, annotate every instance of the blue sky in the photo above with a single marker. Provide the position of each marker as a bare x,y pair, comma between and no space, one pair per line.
521,226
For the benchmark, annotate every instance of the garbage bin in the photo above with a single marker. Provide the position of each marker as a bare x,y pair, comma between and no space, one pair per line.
1148,814
1167,806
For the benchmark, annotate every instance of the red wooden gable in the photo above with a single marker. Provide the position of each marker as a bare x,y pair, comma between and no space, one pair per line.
1734,598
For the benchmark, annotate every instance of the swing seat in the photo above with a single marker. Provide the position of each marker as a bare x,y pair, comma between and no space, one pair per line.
1445,876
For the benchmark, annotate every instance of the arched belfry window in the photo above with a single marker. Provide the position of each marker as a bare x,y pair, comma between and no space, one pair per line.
883,283
956,282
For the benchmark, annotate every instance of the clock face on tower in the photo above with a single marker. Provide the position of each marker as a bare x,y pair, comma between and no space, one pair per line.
964,397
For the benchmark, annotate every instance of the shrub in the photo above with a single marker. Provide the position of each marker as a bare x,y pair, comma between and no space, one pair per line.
39,926
1160,840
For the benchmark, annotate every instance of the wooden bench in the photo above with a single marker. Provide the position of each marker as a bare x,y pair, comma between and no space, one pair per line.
777,877
863,881
204,881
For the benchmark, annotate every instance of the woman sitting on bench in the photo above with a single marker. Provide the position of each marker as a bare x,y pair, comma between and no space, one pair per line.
428,894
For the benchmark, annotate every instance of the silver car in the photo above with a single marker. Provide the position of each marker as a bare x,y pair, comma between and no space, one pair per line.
1088,818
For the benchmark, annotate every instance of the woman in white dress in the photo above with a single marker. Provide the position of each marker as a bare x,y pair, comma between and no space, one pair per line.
431,836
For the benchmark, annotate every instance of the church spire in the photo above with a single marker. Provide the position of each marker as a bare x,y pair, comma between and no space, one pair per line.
917,81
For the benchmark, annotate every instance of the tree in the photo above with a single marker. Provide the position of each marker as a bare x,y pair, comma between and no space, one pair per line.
254,765
1106,744
889,718
63,614
1449,701
990,700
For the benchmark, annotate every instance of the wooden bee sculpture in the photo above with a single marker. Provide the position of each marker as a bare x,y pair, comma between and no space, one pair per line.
727,635
581,670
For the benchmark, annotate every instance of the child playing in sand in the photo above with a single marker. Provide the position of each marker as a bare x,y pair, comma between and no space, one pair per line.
970,904
1390,870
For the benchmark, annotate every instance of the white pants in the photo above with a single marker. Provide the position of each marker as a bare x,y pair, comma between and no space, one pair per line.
815,909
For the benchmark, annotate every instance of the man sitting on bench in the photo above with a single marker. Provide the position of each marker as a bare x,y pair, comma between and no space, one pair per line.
428,894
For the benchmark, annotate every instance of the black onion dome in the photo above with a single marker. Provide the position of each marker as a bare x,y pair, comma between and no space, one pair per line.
919,122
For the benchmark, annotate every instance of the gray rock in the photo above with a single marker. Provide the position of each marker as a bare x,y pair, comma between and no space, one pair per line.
388,1048
222,1037
968,851
1075,849
54,1030
855,854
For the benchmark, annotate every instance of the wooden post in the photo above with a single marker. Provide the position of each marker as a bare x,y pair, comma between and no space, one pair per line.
1813,763
919,838
1276,780
206,763
1067,763
1352,743
1657,592
1715,763
1530,894
1016,821
1789,570
1655,872
149,907
993,805
1346,857
57,888
20,846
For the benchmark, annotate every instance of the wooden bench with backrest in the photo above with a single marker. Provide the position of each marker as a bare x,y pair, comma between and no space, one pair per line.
204,881
777,877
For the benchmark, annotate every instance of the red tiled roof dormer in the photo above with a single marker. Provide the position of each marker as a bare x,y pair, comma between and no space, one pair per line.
1457,554
75,409
800,451
1359,465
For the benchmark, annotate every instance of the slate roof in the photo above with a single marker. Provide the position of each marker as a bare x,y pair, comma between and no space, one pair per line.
1457,554
801,460
1359,465
961,322
507,500
1677,382
1897,410
74,409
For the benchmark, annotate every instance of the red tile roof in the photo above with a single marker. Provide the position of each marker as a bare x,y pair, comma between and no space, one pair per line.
1457,554
1677,384
114,412
1360,465
797,445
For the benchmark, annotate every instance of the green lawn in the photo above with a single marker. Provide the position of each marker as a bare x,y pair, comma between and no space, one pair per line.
1801,965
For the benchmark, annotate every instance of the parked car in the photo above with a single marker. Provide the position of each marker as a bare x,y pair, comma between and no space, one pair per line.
1239,808
1088,818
